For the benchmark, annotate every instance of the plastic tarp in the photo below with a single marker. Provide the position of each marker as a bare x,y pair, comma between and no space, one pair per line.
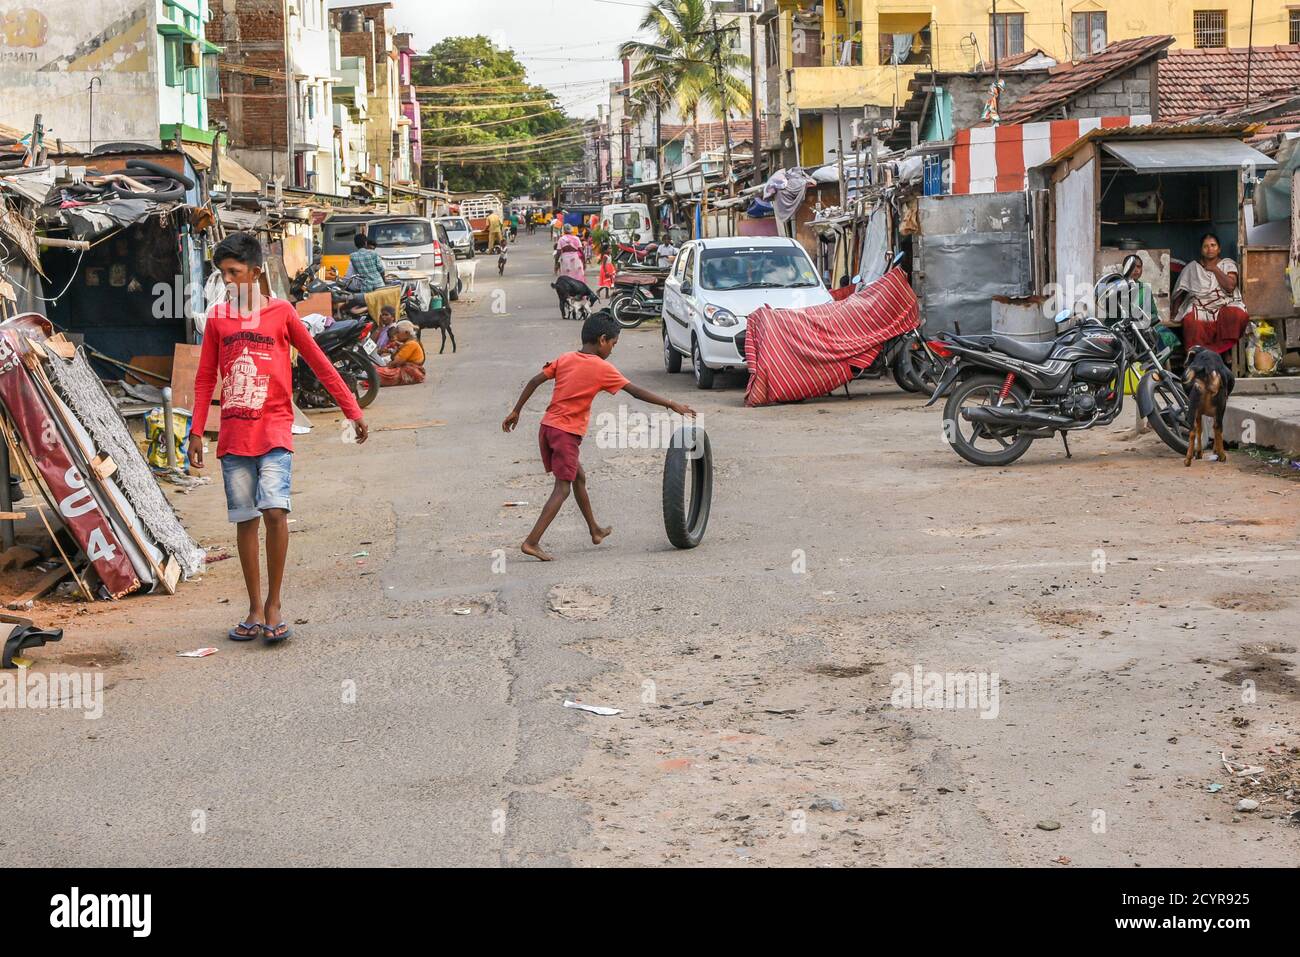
1273,195
796,354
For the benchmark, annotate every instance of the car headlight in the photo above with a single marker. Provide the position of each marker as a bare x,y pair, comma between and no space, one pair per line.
720,317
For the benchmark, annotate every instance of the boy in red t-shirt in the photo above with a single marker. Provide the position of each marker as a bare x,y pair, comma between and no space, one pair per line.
578,377
246,341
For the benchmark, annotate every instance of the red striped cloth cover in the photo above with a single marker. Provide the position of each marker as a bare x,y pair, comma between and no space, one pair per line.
798,354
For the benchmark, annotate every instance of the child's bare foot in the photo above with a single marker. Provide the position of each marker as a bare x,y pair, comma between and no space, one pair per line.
528,548
598,535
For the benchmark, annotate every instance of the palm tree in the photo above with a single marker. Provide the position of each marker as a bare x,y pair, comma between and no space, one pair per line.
687,63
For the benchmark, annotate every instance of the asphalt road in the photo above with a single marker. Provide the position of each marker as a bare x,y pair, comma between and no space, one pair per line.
848,545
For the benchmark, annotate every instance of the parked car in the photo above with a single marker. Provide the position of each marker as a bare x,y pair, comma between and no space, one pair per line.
713,287
461,235
410,244
623,221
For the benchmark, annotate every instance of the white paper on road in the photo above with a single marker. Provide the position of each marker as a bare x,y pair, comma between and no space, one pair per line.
593,708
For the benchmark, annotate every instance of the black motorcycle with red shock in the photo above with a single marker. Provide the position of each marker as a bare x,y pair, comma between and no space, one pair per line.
1003,393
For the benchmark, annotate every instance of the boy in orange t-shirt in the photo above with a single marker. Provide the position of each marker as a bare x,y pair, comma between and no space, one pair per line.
578,376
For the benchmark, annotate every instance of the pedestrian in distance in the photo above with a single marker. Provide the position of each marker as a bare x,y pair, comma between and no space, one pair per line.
578,377
246,343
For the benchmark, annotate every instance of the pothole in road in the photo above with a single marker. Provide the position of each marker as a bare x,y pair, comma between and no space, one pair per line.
1248,601
578,604
1269,674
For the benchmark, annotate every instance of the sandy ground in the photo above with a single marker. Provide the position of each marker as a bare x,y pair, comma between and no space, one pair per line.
1121,600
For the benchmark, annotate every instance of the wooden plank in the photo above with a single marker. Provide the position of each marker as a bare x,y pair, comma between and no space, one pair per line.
159,369
42,586
12,516
103,465
321,302
185,366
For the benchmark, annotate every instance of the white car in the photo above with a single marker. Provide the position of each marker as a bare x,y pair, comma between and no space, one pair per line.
713,287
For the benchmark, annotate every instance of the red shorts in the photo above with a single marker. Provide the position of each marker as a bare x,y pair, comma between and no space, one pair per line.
559,452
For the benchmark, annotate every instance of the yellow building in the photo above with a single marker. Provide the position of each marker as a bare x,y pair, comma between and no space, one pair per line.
852,54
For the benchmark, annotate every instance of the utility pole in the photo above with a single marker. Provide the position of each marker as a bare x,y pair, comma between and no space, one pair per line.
90,119
1250,52
997,74
753,95
722,102
839,152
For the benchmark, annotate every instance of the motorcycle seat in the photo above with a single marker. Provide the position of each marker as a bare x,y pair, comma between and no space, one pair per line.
1016,348
343,329
632,279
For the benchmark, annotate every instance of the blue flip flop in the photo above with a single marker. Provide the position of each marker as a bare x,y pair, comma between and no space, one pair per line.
246,631
278,633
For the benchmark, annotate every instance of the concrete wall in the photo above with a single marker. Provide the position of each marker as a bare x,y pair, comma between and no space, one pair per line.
49,51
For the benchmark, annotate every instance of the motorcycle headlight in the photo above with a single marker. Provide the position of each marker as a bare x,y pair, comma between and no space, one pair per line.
720,317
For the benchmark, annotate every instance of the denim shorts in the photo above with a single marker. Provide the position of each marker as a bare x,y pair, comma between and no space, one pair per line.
256,483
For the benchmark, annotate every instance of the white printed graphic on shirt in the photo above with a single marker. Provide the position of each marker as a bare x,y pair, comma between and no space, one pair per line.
243,388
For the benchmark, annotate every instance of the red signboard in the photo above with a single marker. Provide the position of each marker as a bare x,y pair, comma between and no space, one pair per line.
77,505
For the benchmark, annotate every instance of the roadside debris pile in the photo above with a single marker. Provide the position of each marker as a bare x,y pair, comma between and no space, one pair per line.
103,509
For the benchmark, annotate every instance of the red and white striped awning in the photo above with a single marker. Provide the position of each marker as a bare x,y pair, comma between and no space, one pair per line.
995,159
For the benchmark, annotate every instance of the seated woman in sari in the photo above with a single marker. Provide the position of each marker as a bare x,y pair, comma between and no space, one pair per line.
407,365
1207,300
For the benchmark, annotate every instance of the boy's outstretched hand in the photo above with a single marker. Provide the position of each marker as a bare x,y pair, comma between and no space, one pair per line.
363,430
196,453
509,422
680,409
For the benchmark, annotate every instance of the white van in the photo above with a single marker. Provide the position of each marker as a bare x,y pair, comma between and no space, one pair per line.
622,220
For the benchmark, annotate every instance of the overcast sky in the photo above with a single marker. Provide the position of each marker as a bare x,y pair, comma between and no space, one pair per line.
569,46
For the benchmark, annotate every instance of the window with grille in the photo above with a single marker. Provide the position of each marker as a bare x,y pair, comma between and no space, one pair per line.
1006,34
1210,28
1295,26
1089,33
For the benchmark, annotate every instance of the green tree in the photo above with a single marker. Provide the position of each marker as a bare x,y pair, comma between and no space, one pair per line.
686,63
517,149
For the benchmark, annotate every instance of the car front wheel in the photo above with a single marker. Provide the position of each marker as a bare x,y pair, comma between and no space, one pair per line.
703,374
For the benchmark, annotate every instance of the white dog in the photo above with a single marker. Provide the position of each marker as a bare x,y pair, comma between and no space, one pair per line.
466,268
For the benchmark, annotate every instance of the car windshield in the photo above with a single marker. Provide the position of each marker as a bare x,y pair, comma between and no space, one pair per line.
629,220
401,234
456,228
756,267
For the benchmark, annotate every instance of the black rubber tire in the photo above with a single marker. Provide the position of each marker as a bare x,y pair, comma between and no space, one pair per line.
1173,434
703,374
454,294
952,430
672,358
688,467
616,305
361,373
900,370
160,171
920,369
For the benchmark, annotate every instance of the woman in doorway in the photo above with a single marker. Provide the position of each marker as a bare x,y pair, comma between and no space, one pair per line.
1207,300
570,260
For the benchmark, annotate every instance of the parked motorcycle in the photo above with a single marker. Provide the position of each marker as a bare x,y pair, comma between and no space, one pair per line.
348,345
638,295
1006,393
636,254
